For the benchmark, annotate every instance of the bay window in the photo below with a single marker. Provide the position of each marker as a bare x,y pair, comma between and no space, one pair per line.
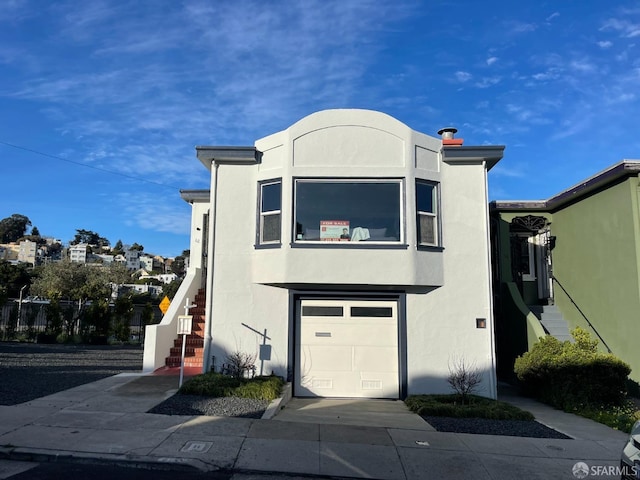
348,211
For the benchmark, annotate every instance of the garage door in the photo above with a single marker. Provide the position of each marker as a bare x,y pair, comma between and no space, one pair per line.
347,348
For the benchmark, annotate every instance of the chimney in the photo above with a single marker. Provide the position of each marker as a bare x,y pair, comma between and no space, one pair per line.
447,137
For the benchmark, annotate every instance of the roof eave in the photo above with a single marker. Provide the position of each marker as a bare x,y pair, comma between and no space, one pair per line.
228,155
193,196
601,179
490,154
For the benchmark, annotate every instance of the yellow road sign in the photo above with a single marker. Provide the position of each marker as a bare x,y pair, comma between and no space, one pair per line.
164,305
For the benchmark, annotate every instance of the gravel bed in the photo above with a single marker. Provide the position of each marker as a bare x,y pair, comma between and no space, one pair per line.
180,404
29,371
513,428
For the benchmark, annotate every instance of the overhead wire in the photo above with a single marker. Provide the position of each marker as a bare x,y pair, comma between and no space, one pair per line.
112,172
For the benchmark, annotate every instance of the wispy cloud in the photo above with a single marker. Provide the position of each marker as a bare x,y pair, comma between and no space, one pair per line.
12,11
492,60
512,170
626,28
487,82
152,212
463,77
517,27
552,16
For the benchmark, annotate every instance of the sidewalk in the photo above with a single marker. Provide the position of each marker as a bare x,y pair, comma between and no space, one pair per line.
106,420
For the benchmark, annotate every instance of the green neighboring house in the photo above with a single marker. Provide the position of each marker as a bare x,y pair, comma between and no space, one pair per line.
572,260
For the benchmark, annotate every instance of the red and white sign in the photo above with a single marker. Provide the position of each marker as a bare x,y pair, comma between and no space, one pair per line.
334,231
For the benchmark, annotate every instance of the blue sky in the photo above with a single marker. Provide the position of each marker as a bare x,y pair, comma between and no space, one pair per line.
93,86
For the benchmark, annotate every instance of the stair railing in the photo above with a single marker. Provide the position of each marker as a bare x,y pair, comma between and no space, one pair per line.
553,277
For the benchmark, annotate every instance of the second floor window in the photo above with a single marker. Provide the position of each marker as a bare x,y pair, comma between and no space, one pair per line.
427,214
269,223
348,210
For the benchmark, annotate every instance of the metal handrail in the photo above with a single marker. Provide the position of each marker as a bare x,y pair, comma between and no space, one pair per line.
553,277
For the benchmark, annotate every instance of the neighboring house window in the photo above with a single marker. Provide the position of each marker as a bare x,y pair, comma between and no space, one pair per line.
523,256
427,213
270,212
349,211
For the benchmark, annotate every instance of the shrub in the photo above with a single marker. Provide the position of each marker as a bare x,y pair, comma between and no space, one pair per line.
633,388
619,417
217,385
473,407
572,375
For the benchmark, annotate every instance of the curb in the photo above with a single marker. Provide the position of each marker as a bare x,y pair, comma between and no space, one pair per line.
276,405
131,461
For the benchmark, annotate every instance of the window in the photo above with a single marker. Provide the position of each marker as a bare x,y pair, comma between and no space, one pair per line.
349,211
316,311
270,212
523,256
371,312
427,215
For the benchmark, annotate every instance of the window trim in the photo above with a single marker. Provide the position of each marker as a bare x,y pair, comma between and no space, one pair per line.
435,202
400,181
260,215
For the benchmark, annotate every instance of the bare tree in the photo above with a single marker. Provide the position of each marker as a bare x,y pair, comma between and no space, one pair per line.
241,364
464,378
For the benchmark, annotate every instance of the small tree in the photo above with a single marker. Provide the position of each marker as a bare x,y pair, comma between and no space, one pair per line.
123,311
464,378
241,364
54,318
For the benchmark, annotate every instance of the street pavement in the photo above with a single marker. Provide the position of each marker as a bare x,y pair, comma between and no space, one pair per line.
106,421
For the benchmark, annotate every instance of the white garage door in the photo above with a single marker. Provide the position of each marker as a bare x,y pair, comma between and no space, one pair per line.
347,348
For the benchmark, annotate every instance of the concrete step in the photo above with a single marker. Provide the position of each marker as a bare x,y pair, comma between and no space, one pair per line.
552,321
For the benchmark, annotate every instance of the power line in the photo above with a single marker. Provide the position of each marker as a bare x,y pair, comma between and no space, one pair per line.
112,172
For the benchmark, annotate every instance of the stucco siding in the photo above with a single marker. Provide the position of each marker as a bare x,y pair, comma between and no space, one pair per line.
441,325
595,259
444,288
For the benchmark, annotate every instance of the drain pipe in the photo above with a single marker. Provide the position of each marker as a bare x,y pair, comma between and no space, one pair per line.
206,360
212,158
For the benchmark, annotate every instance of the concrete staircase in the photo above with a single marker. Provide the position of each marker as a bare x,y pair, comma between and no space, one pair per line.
194,349
552,321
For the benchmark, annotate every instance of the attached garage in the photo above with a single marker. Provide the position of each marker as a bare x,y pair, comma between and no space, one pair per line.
347,348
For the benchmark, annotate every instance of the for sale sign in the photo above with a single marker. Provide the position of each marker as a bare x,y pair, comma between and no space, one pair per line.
334,231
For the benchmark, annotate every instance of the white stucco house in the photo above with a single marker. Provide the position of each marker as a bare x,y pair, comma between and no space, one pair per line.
348,252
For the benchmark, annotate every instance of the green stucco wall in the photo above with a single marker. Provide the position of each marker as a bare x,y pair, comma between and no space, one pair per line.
516,327
596,259
530,288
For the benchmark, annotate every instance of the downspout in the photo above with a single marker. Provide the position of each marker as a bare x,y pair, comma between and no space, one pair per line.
206,363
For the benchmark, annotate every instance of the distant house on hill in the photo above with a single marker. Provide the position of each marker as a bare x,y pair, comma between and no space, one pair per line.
78,253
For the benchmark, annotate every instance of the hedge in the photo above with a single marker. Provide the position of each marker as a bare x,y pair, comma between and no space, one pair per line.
573,375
